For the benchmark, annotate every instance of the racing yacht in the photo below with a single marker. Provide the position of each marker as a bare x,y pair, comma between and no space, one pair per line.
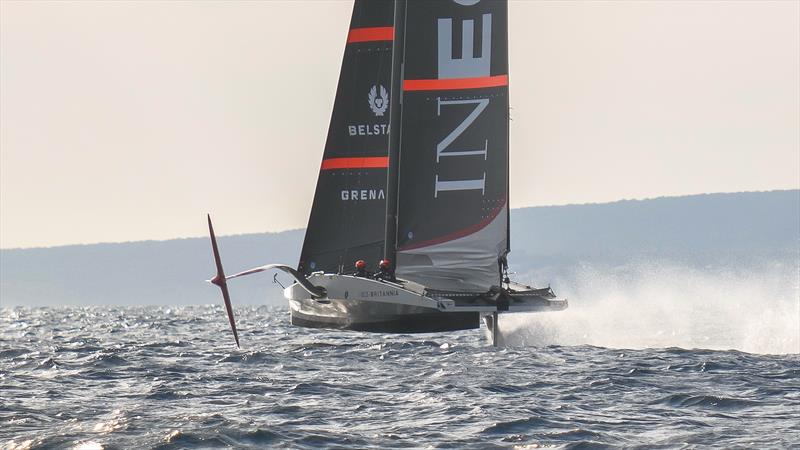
414,172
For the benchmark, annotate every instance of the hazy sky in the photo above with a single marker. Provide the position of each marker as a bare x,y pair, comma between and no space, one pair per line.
129,120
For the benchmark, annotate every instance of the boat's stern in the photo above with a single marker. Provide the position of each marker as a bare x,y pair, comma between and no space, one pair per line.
531,300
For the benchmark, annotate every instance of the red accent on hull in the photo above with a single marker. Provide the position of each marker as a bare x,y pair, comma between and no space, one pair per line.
446,84
369,162
456,234
370,34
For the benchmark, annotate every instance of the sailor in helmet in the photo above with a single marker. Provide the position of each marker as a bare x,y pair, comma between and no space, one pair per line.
361,269
384,271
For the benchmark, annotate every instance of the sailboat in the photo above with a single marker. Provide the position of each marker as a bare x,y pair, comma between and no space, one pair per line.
415,174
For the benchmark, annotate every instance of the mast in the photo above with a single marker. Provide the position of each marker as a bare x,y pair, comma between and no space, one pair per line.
504,264
395,119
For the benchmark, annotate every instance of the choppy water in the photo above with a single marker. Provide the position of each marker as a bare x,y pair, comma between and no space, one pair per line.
171,378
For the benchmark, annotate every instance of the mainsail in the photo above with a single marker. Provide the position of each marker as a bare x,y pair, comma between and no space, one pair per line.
452,213
348,213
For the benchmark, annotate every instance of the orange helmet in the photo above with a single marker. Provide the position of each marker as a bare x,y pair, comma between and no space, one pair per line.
360,264
384,264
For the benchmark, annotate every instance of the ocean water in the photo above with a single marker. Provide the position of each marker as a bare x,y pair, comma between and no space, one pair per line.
161,377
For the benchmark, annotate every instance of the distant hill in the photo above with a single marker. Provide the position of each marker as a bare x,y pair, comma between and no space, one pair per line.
699,229
709,227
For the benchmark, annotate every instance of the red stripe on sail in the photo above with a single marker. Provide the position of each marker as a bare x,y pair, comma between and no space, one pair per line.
456,234
369,162
445,84
370,34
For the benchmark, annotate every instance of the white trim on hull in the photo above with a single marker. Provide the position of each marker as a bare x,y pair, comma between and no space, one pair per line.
356,303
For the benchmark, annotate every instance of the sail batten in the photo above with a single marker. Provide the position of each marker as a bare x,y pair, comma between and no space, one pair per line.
370,34
455,83
366,162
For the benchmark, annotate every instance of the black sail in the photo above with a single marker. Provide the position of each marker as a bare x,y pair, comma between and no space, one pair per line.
348,213
452,214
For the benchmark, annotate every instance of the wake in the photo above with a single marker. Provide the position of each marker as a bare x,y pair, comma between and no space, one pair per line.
754,310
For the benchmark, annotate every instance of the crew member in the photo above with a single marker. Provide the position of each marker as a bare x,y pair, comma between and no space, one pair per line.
384,271
361,268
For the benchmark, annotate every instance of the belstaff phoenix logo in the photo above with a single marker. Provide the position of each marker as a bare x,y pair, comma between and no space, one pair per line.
377,104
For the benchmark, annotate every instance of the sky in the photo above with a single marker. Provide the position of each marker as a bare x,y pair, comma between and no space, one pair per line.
124,121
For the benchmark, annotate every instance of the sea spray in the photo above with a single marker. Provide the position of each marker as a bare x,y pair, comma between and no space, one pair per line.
655,305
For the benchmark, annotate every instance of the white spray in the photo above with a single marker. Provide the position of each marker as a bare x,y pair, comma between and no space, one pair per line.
755,310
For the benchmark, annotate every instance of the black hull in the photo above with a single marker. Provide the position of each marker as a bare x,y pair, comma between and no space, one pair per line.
414,323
